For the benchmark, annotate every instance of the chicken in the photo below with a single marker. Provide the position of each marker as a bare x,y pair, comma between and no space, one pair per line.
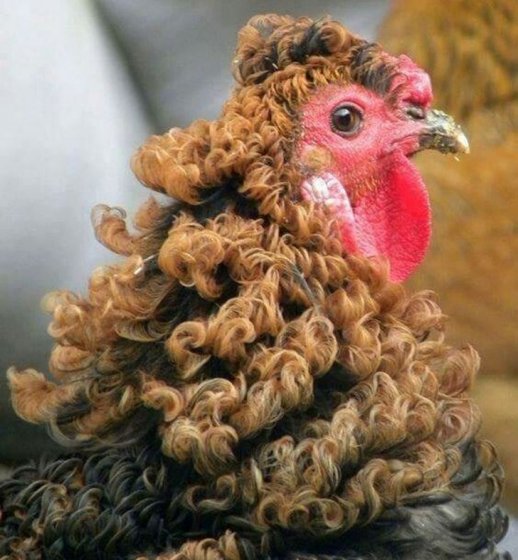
472,264
253,381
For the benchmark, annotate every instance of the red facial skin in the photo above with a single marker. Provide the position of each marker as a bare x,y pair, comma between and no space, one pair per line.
372,189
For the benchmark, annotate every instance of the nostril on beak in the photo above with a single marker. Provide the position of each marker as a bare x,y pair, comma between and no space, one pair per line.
415,112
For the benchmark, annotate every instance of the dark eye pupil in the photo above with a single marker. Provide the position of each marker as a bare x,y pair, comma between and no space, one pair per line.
346,120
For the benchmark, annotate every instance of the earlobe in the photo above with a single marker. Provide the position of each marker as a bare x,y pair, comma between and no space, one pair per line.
315,159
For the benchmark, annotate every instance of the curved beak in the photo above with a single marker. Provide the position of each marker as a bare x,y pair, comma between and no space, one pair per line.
441,132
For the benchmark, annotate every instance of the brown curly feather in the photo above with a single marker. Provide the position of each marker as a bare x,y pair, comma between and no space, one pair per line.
303,387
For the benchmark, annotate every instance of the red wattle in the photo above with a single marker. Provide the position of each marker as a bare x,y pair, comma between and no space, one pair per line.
394,220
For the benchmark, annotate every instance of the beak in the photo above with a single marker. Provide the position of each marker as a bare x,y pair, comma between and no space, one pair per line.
442,133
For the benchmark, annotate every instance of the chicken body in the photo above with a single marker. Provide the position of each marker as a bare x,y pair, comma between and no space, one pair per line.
249,383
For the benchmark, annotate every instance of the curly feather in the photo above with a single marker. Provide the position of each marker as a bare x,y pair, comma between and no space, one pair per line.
294,396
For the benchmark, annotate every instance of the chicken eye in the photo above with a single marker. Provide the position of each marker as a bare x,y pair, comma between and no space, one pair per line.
346,120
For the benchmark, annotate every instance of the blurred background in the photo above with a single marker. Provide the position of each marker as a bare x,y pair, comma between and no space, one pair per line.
84,82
